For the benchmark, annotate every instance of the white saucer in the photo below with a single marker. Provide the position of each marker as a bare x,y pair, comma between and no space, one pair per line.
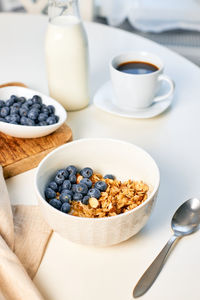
103,100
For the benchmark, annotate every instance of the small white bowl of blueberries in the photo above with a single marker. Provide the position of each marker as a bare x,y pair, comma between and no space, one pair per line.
25,113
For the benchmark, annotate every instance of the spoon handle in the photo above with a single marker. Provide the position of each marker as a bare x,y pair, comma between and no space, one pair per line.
150,275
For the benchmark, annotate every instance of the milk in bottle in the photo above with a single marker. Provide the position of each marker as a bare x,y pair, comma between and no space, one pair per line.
66,51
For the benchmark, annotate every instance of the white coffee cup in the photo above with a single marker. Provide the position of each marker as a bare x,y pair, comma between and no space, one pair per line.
137,91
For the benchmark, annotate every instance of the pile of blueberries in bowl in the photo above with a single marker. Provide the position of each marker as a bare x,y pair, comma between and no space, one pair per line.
63,188
29,112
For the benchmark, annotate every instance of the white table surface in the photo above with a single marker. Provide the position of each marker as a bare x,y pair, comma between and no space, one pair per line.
71,271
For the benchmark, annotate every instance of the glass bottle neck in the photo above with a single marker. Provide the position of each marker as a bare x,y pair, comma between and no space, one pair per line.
58,8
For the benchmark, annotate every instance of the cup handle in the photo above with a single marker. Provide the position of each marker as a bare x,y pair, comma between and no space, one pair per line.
171,88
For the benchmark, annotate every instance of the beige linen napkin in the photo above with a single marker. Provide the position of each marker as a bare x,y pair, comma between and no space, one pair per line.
23,239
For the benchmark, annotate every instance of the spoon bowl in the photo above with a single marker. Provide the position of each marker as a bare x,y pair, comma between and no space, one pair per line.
186,219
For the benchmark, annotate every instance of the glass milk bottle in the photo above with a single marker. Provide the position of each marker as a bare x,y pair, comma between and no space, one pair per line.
66,51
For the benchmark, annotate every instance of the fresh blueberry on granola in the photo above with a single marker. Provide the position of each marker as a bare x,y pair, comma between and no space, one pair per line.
55,203
49,193
81,188
101,185
66,207
85,200
88,194
35,112
59,179
65,197
109,176
94,193
72,178
72,170
77,196
63,172
66,184
86,172
53,185
87,181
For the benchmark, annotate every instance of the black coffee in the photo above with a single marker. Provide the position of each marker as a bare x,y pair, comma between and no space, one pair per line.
137,67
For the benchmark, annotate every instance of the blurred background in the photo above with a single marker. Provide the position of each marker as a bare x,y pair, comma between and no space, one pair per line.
172,23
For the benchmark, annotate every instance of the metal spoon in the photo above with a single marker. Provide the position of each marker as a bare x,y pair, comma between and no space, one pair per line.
185,221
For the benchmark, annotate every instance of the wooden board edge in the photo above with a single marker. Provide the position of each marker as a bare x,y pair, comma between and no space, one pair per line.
15,168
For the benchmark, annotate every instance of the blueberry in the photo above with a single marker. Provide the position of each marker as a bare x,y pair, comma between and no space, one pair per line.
14,118
57,118
72,178
5,111
42,123
67,191
14,109
23,121
51,120
3,120
77,196
36,99
59,188
87,181
21,100
43,106
42,117
63,172
66,207
14,97
44,109
7,118
101,185
85,200
51,109
24,105
86,172
36,106
49,193
23,112
109,176
59,179
2,103
9,102
72,170
33,114
17,104
65,197
30,122
81,188
94,193
29,102
66,185
55,203
73,188
53,185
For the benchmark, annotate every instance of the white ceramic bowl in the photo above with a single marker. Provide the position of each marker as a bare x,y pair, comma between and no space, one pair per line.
22,131
107,156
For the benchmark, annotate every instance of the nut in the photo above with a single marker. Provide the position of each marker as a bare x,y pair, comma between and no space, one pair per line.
79,178
94,203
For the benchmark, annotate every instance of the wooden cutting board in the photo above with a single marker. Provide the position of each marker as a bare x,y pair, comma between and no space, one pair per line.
19,155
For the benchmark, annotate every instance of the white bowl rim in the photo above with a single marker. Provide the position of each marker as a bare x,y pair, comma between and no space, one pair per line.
62,118
104,218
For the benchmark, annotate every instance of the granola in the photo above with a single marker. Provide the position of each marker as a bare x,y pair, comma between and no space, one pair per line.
118,198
